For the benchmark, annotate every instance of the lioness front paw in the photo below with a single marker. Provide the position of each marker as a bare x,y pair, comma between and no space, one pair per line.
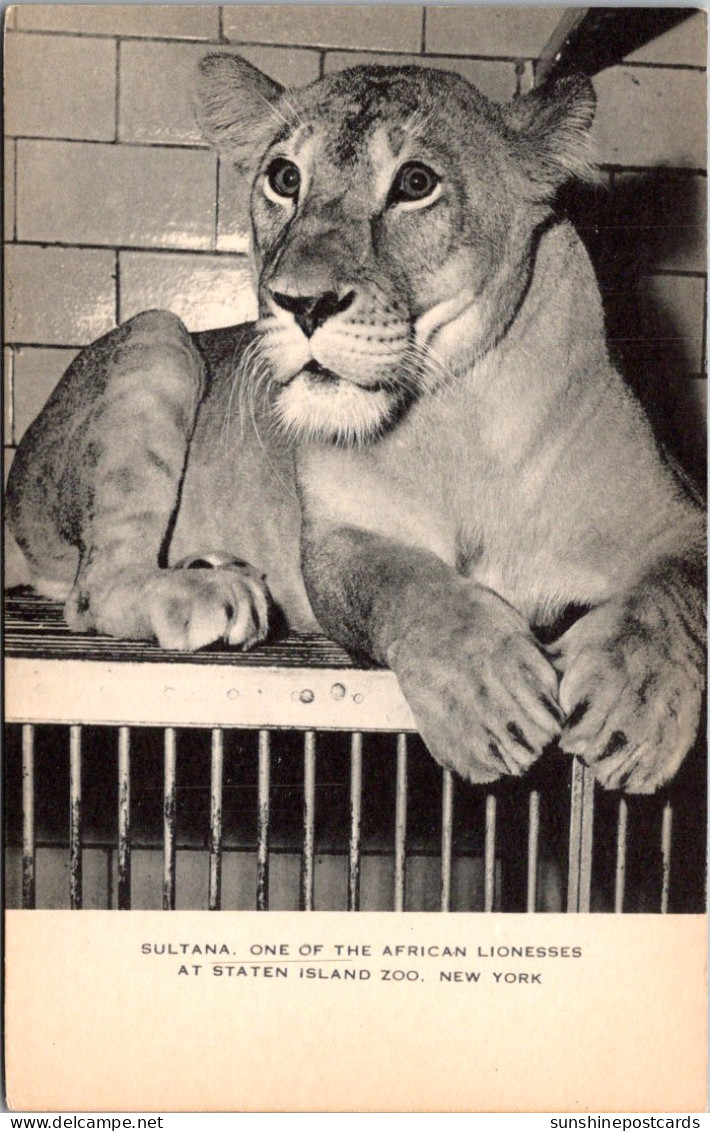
483,694
631,691
205,599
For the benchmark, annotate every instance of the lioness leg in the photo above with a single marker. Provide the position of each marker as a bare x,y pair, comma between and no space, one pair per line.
632,678
125,453
482,693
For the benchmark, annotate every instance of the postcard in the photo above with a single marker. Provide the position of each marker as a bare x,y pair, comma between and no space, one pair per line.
355,371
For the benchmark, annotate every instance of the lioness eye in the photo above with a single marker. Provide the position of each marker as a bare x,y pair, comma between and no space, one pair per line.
283,177
414,181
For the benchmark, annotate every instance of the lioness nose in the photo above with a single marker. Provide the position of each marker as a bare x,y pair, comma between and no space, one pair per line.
311,311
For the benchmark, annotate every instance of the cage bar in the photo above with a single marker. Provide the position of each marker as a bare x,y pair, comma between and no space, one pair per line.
579,874
533,848
489,854
355,822
263,821
621,837
28,817
400,823
169,819
75,830
447,837
666,845
215,842
124,819
309,820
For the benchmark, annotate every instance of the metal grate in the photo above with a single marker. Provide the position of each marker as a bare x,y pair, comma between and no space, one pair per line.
320,686
580,848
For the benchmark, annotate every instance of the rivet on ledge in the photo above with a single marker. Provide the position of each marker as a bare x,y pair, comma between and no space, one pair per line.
232,693
306,695
338,691
358,698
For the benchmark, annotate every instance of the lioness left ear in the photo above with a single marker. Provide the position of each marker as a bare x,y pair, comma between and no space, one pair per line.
235,106
551,132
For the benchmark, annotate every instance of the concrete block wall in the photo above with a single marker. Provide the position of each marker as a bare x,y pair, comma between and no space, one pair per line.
114,204
100,881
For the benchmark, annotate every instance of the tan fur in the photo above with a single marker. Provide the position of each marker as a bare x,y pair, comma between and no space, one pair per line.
428,402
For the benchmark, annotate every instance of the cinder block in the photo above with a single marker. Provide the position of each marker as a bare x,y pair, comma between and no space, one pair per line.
172,21
234,228
205,291
60,87
376,882
146,879
650,116
368,27
9,190
495,80
422,887
58,296
191,878
504,32
35,376
330,883
130,196
673,317
158,83
665,212
239,881
52,866
289,67
684,44
284,880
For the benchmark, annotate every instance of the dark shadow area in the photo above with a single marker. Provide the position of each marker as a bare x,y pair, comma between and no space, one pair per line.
605,36
645,223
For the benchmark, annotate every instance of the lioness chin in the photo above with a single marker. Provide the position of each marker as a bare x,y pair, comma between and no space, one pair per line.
421,443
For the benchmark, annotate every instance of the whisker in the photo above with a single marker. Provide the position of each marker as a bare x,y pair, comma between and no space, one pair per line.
256,387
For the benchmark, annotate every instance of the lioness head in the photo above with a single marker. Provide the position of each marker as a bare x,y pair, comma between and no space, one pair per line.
393,213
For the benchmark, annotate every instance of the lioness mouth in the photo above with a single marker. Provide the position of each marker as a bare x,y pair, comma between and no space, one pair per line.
319,374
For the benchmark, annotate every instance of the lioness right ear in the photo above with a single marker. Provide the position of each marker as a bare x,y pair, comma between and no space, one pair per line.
235,106
551,132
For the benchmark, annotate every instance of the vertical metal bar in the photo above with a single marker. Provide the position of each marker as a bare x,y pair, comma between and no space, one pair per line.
355,822
400,823
309,820
579,881
216,778
263,822
533,844
666,844
447,837
489,861
620,878
169,805
124,820
28,817
575,833
587,844
75,873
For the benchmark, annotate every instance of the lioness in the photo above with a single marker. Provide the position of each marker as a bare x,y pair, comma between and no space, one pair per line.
421,443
